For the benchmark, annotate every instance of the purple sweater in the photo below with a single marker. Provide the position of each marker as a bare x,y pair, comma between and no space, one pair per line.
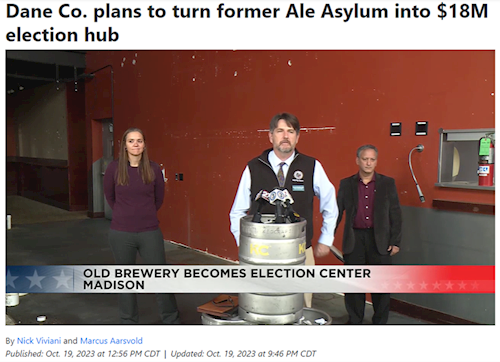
135,205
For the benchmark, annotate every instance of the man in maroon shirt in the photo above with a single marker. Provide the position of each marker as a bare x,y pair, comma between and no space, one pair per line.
372,230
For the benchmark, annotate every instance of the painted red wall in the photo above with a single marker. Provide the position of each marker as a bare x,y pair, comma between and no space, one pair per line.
205,114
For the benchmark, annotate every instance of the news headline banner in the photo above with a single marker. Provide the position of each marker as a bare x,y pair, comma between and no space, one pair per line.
250,279
88,20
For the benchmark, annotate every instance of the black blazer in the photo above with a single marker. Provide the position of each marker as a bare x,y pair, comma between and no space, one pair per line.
387,219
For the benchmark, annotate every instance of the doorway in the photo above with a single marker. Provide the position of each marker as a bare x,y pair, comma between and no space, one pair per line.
107,157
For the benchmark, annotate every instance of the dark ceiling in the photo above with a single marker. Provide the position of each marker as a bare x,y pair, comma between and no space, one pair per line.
30,69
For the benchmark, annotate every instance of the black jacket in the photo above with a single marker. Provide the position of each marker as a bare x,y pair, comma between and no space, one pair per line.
387,220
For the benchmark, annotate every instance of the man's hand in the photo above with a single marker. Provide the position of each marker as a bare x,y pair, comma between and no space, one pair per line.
393,249
321,250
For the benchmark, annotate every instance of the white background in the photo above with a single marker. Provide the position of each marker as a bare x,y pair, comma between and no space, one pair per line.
335,343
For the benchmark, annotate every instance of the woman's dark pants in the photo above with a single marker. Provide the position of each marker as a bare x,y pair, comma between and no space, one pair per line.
149,244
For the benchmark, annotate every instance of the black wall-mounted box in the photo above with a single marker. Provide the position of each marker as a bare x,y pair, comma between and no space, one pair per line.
396,129
421,128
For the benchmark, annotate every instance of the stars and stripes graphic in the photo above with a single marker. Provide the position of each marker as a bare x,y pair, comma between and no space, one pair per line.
39,279
250,279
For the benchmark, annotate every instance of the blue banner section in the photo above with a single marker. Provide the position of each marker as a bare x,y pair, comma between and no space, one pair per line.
40,279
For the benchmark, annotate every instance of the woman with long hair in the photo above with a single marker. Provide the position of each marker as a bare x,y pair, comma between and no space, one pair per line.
134,189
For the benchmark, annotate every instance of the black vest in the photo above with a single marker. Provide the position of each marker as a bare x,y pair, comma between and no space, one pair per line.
299,182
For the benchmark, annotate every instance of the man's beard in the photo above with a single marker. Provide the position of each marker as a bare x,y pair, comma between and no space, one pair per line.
285,147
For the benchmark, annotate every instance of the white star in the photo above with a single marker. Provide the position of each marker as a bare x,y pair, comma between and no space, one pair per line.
10,279
436,285
423,285
449,285
398,285
385,285
410,285
475,285
35,280
462,285
62,280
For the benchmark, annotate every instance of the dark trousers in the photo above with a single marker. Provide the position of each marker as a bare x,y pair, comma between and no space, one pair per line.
365,253
149,244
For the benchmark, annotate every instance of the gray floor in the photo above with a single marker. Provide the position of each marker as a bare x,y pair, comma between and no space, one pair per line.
84,242
26,211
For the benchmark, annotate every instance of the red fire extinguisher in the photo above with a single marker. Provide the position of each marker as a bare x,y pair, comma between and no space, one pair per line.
486,168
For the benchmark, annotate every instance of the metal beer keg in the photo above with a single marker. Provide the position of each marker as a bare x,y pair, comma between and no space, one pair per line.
267,243
212,320
311,317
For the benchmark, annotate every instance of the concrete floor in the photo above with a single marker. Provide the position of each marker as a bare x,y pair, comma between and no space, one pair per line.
84,242
26,211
